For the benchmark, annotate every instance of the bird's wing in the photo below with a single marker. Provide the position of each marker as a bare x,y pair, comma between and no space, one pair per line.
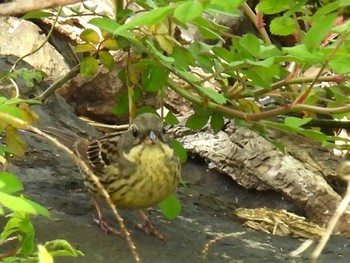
96,154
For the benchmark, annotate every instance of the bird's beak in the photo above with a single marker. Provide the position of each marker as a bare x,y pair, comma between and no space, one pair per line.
151,138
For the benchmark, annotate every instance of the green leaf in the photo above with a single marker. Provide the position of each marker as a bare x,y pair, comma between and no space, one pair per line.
188,11
170,207
61,247
340,63
296,122
154,78
90,35
106,59
171,119
122,106
180,150
302,53
15,144
106,24
212,94
217,122
87,47
272,6
319,30
229,8
88,67
43,255
149,18
37,14
197,121
111,44
9,183
316,135
22,204
11,110
343,28
282,26
250,43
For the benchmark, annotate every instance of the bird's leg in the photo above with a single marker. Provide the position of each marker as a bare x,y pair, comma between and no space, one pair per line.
100,220
148,227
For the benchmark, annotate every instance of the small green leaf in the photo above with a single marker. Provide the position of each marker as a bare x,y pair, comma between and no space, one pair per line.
61,247
343,28
170,207
106,59
90,35
340,63
272,6
180,150
43,255
318,31
296,122
87,47
88,67
171,119
15,144
106,24
21,204
188,11
197,121
250,43
9,183
282,26
149,18
316,135
37,14
122,106
111,44
154,78
212,94
302,53
217,122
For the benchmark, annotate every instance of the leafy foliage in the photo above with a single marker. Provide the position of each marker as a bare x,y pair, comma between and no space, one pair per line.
246,68
13,204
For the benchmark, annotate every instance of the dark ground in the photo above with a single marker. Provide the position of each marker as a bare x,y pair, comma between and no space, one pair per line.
52,179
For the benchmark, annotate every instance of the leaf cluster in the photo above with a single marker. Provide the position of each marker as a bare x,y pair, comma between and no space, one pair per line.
245,69
15,205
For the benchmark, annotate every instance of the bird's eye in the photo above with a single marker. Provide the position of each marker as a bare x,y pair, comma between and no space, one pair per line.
135,132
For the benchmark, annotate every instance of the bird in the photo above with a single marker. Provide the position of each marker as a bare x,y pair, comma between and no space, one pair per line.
138,168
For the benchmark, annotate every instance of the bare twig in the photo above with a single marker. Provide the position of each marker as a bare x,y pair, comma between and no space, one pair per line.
57,84
344,172
217,239
24,6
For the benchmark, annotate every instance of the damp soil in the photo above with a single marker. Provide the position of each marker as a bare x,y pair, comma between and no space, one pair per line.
52,179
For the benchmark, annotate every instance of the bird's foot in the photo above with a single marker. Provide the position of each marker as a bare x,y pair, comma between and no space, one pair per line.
101,222
147,226
105,227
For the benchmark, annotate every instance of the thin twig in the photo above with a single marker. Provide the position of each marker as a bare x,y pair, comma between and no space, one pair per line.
344,173
57,84
217,239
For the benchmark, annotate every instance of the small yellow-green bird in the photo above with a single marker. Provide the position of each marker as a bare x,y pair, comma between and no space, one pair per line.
138,168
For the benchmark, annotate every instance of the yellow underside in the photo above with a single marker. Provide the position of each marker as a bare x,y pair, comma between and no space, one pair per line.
156,177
